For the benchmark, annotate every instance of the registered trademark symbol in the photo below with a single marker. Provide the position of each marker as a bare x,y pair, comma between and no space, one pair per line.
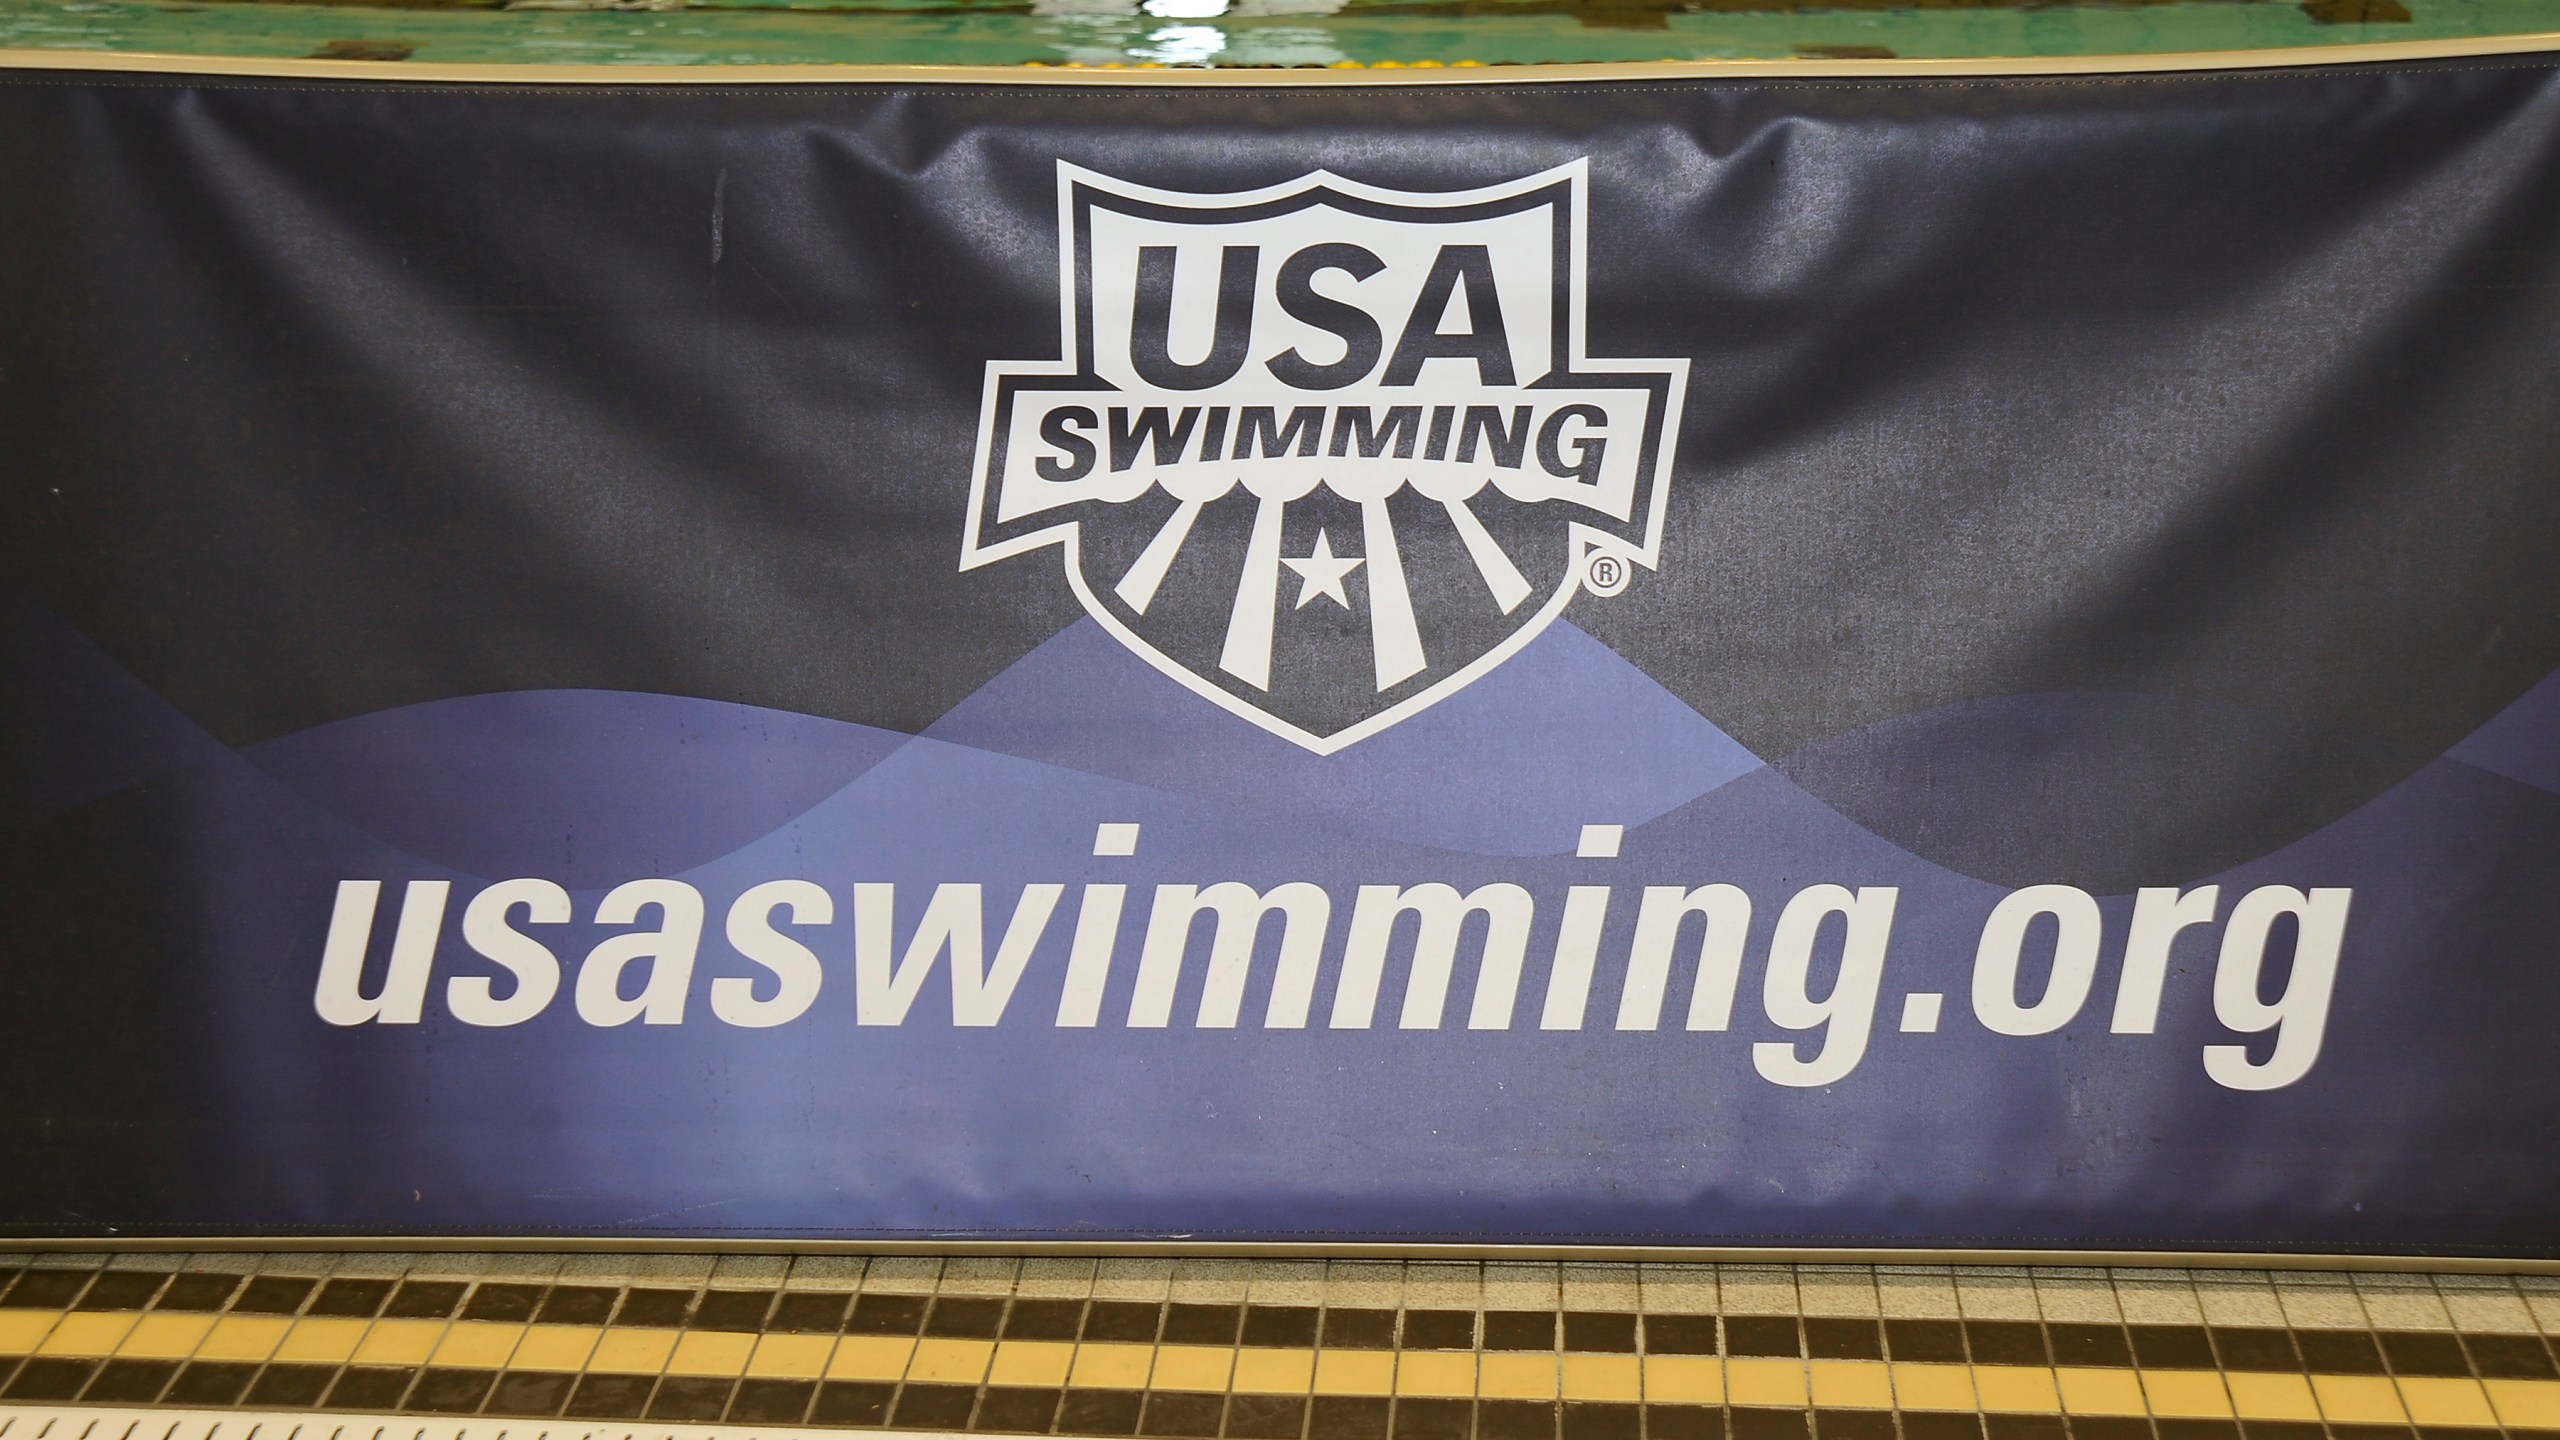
1606,574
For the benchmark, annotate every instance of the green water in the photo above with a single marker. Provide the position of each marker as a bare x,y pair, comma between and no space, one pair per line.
1245,32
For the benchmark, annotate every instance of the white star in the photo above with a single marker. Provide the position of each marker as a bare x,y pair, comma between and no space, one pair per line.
1321,573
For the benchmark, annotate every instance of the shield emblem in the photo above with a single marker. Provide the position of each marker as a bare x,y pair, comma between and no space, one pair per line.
1323,452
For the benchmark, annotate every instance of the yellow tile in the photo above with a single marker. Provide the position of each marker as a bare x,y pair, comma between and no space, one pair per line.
242,1337
2186,1393
1429,1372
1275,1372
857,1357
1851,1384
21,1329
477,1344
327,1342
1192,1367
2017,1389
167,1337
1764,1382
2099,1392
1112,1367
951,1362
87,1334
645,1352
397,1342
1357,1372
1603,1377
2434,1401
555,1347
725,1352
2273,1397
804,1357
1516,1377
2358,1400
1669,1379
1931,1387
2526,1404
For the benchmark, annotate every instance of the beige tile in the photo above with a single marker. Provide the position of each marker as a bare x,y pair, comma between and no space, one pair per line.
2321,1307
530,1267
1117,1279
2238,1301
1837,1290
1678,1289
1064,1278
1916,1292
1757,1289
2154,1298
1511,1285
903,1274
1594,1287
744,1271
316,1264
2488,1311
665,1270
227,1262
151,1260
1285,1282
826,1272
980,1275
2546,1309
68,1260
2083,1298
1209,1282
1986,1296
2396,1308
378,1265
1364,1284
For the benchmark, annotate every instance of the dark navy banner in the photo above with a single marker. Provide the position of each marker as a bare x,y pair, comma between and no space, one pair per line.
1942,663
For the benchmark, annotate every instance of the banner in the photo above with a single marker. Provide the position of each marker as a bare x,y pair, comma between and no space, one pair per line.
1890,662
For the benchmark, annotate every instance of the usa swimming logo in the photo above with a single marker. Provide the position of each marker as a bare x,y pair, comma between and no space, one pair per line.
1323,452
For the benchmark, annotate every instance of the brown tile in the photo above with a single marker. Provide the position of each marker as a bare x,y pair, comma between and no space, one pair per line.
1761,1335
9,1276
886,1315
2005,1342
2171,1347
1683,1422
291,1387
45,1378
698,1399
738,1310
129,1382
451,1392
2024,1427
1680,1335
934,1407
370,1387
1519,1330
2100,1345
1586,1420
199,1292
122,1290
532,1392
47,1289
1337,1417
421,1300
1424,1419
2511,1357
1439,1329
2283,1430
2378,1432
1519,1420
965,1317
1202,1324
772,1402
1853,1424
660,1309
2339,1352
1266,1417
1360,1330
497,1300
1131,1321
852,1402
1826,1339
1044,1320
359,1299
1935,1341
2247,1348
1168,1413
9,1370
1017,1410
1100,1412
2197,1429
207,1383
1930,1425
2456,1432
809,1312
2110,1427
610,1397
1295,1325
1750,1422
2419,1352
273,1295
584,1305
1600,1332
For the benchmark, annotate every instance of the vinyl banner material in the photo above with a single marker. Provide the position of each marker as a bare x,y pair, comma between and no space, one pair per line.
1829,662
